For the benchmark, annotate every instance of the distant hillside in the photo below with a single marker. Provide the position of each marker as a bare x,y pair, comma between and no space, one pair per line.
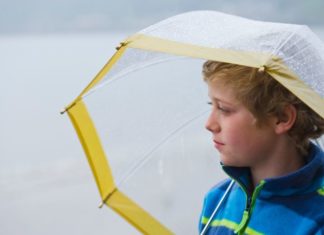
35,16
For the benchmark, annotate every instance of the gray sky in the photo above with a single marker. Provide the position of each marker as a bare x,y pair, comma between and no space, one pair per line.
36,16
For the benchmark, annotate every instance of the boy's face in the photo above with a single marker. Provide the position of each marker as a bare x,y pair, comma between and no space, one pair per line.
236,135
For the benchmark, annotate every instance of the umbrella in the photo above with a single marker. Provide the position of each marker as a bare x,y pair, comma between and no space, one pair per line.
140,120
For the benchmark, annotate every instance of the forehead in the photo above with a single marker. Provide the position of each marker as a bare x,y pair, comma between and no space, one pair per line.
221,91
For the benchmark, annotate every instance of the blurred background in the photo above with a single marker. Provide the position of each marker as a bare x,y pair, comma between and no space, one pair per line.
49,51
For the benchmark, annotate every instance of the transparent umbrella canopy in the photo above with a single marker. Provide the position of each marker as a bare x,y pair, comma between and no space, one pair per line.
141,119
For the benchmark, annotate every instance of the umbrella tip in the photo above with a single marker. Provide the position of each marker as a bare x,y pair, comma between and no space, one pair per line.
261,69
107,197
121,44
62,111
101,205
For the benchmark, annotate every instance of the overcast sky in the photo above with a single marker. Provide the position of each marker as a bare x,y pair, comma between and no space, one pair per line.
36,16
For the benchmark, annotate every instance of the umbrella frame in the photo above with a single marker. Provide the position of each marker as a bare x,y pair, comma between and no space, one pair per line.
85,128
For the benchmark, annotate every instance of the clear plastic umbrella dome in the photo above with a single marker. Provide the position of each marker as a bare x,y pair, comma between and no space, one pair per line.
141,119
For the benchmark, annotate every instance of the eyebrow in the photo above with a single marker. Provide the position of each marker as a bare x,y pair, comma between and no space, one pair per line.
223,101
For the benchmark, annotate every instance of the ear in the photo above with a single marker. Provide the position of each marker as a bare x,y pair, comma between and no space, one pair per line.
286,120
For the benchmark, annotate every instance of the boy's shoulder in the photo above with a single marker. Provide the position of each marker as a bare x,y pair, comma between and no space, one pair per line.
213,196
219,187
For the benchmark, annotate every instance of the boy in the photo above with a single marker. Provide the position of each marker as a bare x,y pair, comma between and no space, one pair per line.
262,132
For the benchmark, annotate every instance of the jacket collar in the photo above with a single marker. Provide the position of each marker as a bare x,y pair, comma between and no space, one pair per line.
309,178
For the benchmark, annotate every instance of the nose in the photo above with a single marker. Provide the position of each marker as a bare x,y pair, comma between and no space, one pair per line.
212,123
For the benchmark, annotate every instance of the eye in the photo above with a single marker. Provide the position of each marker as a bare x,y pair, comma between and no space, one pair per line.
220,107
223,109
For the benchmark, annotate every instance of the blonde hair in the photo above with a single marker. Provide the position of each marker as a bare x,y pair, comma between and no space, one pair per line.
264,97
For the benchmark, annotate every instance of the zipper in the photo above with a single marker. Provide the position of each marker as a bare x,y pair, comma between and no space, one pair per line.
250,202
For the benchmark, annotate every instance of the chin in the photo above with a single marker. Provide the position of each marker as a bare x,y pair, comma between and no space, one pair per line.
231,162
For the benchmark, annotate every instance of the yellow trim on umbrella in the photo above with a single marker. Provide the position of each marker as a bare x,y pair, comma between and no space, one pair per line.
101,74
135,215
145,42
92,147
279,71
110,195
272,64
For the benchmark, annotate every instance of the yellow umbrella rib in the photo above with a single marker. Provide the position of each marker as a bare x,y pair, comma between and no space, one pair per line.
272,64
146,42
91,144
110,195
120,51
136,215
279,71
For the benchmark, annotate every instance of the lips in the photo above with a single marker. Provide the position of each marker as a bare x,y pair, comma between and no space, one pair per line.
218,144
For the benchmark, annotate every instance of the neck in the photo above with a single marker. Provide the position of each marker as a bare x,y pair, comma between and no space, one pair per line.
284,159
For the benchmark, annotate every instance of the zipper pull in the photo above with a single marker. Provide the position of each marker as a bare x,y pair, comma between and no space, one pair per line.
240,228
249,208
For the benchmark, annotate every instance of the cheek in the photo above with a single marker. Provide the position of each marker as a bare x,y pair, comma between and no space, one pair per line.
241,139
236,134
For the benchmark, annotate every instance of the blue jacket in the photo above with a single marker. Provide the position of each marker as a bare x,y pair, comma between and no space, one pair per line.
292,204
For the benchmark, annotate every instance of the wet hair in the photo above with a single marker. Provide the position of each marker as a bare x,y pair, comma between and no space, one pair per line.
264,97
